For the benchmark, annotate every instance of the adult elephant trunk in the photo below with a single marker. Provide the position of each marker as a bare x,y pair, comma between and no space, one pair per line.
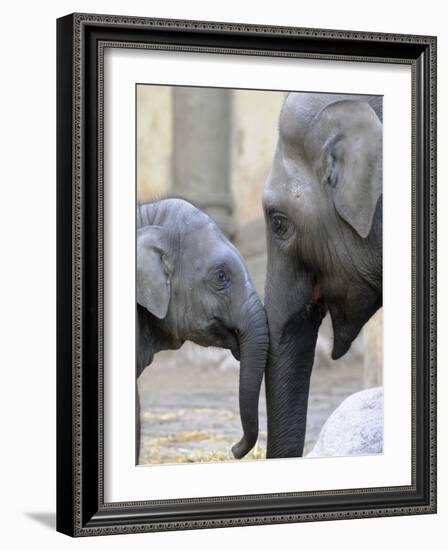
294,317
254,346
288,377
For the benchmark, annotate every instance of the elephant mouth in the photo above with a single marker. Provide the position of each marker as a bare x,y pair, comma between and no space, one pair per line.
318,299
235,346
316,294
342,333
228,338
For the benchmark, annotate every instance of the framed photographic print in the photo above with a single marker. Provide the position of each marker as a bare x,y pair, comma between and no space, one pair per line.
246,274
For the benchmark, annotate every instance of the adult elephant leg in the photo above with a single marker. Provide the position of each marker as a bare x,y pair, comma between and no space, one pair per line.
288,377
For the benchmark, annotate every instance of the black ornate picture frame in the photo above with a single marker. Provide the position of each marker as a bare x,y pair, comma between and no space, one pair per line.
81,508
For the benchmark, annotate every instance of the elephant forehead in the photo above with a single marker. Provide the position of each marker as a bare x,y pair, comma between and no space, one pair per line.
197,241
299,111
290,176
293,123
297,114
203,243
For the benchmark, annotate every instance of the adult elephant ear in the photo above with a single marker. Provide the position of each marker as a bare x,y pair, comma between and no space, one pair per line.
153,270
349,136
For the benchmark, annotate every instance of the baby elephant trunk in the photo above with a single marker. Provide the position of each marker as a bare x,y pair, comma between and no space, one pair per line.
254,347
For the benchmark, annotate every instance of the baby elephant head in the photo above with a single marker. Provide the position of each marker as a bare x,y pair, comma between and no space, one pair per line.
195,286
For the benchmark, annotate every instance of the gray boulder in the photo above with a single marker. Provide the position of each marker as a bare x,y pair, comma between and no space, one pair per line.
354,428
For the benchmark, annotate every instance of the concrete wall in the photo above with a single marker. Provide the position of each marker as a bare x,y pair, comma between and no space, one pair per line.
154,139
373,351
253,136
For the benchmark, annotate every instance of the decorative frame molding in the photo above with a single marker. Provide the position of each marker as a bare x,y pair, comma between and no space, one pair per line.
81,39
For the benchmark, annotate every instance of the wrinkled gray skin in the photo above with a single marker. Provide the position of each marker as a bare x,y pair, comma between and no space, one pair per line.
323,212
192,284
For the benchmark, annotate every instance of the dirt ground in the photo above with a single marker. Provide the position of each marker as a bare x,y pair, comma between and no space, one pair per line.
190,407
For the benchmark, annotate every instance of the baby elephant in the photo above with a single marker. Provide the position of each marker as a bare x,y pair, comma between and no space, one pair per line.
193,284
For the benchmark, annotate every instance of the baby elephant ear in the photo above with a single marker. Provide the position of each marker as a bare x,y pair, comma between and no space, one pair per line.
352,161
153,273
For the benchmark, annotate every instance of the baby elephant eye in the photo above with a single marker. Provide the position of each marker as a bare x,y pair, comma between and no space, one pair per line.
222,279
281,226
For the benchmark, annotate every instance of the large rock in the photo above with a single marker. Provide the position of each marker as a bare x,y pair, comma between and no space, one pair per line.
354,428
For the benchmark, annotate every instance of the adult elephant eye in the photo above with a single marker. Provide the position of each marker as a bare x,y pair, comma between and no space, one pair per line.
281,226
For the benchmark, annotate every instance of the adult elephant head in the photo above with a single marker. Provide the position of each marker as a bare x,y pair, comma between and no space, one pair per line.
323,212
193,284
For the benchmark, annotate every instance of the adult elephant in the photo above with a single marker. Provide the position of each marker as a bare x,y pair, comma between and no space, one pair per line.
323,211
193,284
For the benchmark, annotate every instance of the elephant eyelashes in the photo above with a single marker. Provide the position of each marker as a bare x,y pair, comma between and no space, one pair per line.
281,226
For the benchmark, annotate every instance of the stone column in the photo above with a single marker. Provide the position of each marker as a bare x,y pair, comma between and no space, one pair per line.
201,151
